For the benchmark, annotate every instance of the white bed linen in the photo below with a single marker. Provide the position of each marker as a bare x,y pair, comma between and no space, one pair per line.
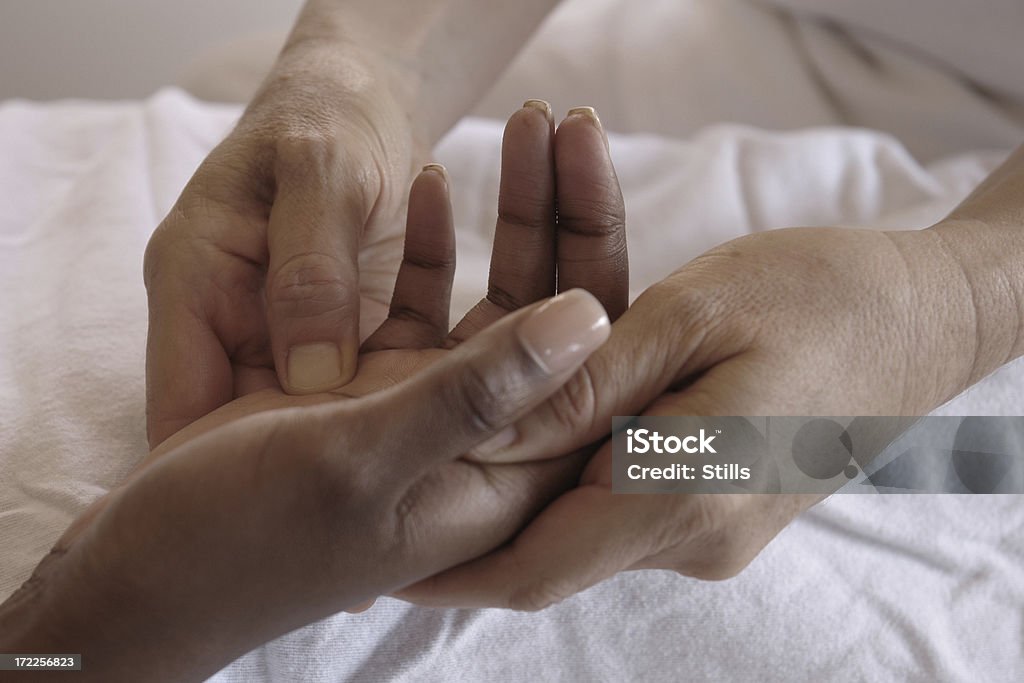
862,588
867,588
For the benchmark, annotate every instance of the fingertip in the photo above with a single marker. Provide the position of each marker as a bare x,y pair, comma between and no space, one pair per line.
543,107
558,336
429,199
437,170
584,120
319,366
588,113
564,331
534,118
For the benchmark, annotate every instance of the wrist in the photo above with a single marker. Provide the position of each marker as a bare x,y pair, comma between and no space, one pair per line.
990,260
66,607
334,71
969,294
43,618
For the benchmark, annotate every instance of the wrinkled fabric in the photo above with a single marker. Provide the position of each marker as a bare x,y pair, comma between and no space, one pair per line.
863,587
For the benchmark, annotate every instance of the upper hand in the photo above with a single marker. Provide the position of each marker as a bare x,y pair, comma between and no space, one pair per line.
287,234
812,321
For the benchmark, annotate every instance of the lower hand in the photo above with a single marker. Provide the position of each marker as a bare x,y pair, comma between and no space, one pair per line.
812,321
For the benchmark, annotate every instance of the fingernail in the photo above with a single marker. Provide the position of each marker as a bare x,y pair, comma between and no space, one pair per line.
591,115
503,439
588,112
314,367
564,331
542,106
437,169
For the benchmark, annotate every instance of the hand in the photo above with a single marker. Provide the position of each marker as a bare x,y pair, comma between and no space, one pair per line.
374,484
798,322
285,237
586,249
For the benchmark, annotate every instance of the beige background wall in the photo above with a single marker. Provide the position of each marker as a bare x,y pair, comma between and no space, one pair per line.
121,48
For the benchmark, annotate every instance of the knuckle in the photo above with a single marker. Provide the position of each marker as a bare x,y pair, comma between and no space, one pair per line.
321,151
503,298
722,562
305,152
686,311
153,258
485,398
158,252
574,407
430,262
311,160
525,210
318,158
710,541
410,315
592,217
538,595
309,284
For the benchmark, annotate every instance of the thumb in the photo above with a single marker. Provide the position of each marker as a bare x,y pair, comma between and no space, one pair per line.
481,387
313,282
668,338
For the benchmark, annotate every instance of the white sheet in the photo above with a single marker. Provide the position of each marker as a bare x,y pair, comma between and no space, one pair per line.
873,587
862,588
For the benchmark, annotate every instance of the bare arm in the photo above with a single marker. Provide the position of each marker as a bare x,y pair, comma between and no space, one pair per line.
444,54
985,237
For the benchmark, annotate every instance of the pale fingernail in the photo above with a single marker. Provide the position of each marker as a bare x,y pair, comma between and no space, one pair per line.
314,367
564,331
588,112
439,169
503,439
541,106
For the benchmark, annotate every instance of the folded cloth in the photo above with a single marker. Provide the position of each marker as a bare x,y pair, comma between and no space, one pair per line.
940,75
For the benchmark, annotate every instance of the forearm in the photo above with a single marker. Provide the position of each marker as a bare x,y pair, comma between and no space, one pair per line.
983,240
56,614
441,55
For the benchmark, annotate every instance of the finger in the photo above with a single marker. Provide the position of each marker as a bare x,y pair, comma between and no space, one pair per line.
664,339
313,276
188,372
478,389
418,316
523,255
582,538
591,213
